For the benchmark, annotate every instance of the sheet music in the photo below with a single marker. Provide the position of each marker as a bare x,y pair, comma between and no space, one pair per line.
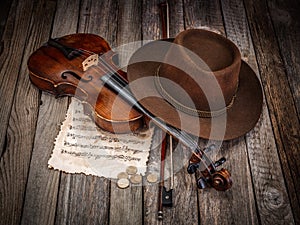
81,147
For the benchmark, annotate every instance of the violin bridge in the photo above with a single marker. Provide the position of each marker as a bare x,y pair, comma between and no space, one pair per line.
92,60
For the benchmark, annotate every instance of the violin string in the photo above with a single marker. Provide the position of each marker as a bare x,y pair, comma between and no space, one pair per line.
192,143
187,138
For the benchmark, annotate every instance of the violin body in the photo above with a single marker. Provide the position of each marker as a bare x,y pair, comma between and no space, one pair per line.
72,66
79,65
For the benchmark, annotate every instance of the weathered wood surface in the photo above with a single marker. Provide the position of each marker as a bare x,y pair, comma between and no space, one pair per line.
41,199
279,96
265,167
264,164
227,205
126,206
20,133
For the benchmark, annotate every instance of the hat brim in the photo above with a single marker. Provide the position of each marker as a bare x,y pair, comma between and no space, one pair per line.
240,118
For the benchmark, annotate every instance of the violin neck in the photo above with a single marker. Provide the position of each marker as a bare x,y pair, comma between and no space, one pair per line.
115,83
69,53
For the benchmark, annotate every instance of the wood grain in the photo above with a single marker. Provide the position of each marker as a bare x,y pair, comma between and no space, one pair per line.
126,205
217,207
150,205
13,42
22,122
150,15
285,18
265,166
4,10
283,114
184,210
203,14
42,188
83,200
90,192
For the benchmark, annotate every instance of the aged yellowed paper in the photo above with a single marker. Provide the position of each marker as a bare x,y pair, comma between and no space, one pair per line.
81,147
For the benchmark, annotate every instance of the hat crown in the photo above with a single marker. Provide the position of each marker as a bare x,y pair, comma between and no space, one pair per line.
201,71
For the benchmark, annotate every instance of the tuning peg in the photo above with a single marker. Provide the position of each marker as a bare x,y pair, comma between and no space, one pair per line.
192,167
202,183
220,162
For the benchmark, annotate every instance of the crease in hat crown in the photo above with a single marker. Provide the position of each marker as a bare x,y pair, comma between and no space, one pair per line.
221,62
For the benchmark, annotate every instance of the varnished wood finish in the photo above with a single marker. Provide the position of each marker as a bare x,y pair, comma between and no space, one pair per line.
53,71
264,164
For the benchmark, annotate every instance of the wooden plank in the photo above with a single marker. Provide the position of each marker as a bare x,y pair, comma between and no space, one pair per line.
129,30
279,96
126,205
85,199
151,24
268,181
42,188
176,17
184,210
286,21
217,207
13,42
151,190
4,10
151,30
201,14
22,123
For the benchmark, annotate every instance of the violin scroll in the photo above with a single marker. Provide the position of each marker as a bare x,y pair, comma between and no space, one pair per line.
218,179
221,180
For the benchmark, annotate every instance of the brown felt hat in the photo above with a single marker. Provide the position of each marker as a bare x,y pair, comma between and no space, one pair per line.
198,83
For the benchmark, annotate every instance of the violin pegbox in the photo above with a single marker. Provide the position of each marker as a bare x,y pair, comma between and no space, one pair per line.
92,60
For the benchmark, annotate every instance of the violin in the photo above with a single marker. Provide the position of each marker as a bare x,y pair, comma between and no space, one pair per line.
83,65
72,66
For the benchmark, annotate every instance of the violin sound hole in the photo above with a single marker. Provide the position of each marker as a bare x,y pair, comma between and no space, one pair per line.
65,75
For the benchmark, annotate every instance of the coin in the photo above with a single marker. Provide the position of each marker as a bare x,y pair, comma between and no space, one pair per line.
123,183
122,175
152,178
131,170
135,178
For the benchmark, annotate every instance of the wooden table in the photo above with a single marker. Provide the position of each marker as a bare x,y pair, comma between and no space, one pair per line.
265,163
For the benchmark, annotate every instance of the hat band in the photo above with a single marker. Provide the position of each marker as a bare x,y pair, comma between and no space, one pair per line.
186,109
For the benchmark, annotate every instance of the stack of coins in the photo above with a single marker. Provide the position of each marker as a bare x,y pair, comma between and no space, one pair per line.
131,177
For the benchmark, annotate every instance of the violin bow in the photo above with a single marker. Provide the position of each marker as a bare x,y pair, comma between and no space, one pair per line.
210,176
164,195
